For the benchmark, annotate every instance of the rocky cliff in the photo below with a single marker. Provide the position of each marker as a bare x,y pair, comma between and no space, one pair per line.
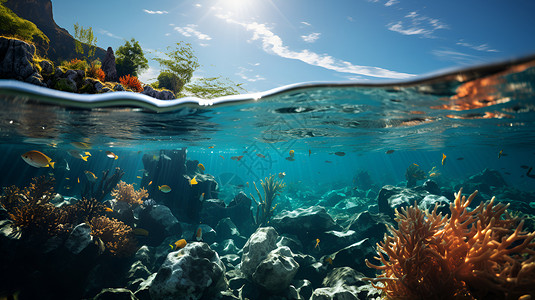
40,13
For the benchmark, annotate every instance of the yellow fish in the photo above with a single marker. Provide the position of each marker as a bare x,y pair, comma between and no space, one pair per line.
329,260
76,154
150,182
443,158
202,197
178,244
140,231
317,243
500,154
78,179
90,176
111,155
193,181
37,159
107,209
87,153
211,147
138,177
67,187
81,145
164,188
432,174
67,178
292,153
201,166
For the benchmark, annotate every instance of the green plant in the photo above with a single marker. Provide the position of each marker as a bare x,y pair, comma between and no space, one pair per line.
94,71
130,59
131,82
63,84
213,87
170,81
75,64
264,210
84,36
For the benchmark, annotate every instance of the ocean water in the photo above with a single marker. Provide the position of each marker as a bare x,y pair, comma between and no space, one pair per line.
477,118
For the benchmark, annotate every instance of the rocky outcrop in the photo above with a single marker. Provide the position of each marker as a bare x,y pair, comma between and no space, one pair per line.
17,61
257,248
276,271
304,221
162,95
108,66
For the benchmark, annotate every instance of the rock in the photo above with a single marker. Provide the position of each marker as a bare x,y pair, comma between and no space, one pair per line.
335,293
143,255
304,288
276,271
47,68
429,202
226,247
343,276
257,248
138,270
239,211
194,272
226,229
369,225
162,95
160,222
484,182
79,238
108,66
230,259
432,187
345,283
291,241
333,240
118,88
16,61
304,222
354,255
115,294
392,197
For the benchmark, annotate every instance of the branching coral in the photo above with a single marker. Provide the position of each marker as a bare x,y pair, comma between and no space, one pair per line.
83,210
264,210
104,186
117,236
479,254
126,193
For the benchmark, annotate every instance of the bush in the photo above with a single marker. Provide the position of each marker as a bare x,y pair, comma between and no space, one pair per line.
170,81
96,72
75,64
131,82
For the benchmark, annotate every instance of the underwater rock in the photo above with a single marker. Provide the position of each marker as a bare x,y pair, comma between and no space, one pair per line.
162,95
335,293
333,240
353,256
109,67
304,222
276,271
257,248
226,229
343,283
115,294
160,222
369,225
391,197
225,247
138,270
429,201
239,211
79,238
304,288
122,211
332,198
17,61
143,255
194,272
485,182
432,187
290,241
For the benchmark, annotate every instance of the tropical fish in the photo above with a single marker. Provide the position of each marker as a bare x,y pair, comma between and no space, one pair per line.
328,161
178,244
237,157
201,166
282,174
292,153
77,154
443,158
329,260
150,182
417,165
290,158
260,155
201,198
198,235
166,157
90,176
164,188
107,209
111,155
37,159
138,177
78,179
433,174
140,231
81,145
339,153
500,154
87,153
211,147
221,156
317,243
193,181
247,183
389,151
67,187
155,157
67,178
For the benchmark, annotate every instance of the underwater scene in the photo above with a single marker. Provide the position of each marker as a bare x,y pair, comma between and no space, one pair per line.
420,189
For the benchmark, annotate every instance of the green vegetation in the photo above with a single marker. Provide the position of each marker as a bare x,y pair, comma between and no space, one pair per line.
213,87
129,59
13,26
75,64
264,209
169,81
84,36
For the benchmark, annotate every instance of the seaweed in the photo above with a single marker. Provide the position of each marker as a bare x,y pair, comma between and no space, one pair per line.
104,186
264,210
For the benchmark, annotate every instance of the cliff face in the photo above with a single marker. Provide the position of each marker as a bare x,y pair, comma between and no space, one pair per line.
40,13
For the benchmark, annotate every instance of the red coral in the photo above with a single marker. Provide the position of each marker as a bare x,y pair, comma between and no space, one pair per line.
481,254
131,82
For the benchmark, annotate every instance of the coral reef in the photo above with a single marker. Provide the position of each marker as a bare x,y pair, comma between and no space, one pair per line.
264,210
126,193
116,236
413,174
482,253
104,186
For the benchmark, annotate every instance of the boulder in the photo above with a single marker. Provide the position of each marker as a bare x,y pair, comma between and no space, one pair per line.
276,271
161,95
257,248
369,225
79,238
304,222
115,294
17,61
108,66
160,222
354,256
193,272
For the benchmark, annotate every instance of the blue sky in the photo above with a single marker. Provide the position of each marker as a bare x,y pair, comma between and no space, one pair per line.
269,43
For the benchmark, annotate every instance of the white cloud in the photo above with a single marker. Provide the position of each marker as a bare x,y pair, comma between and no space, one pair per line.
456,56
417,25
243,74
350,19
306,23
155,12
391,2
198,5
149,75
191,31
483,47
311,38
105,32
273,44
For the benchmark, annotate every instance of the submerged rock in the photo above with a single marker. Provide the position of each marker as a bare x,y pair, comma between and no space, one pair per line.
276,271
194,272
257,248
304,221
79,238
160,222
115,294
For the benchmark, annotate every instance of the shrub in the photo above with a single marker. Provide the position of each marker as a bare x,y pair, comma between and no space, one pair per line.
96,72
170,81
75,64
131,82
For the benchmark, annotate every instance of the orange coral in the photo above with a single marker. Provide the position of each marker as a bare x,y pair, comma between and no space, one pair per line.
126,193
131,82
479,254
116,236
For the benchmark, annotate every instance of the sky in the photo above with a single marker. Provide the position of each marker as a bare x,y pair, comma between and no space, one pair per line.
265,44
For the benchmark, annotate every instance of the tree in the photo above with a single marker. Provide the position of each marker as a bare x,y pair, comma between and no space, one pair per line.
213,87
170,81
84,36
130,59
182,62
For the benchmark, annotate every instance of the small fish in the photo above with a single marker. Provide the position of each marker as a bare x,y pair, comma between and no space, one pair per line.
240,186
37,159
500,153
140,231
247,183
328,161
198,235
193,181
150,182
260,155
282,174
90,176
82,145
111,155
107,209
67,187
317,243
166,157
201,198
78,179
77,154
87,153
292,153
164,188
201,166
67,178
329,260
339,153
290,158
416,165
211,147
389,151
309,152
221,156
178,244
443,158
138,177
155,157
237,157
67,168
433,175
460,158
